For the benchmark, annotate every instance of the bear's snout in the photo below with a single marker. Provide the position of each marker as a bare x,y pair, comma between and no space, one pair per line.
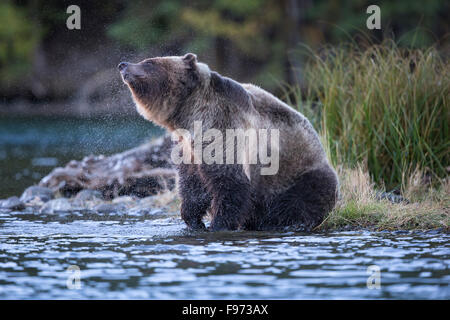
122,66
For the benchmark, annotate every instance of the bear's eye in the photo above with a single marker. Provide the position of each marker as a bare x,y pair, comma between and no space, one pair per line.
148,62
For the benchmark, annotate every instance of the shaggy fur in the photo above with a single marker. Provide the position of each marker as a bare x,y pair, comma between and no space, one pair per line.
176,91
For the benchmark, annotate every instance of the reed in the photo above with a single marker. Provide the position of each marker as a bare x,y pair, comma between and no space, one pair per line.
383,106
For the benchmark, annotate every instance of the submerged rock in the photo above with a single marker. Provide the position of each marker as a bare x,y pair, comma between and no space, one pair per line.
36,194
124,199
109,208
88,195
52,206
12,203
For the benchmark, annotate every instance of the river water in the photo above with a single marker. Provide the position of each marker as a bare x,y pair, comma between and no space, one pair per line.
84,255
30,147
113,257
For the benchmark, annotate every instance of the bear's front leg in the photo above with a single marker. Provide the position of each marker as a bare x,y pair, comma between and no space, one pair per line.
195,197
231,195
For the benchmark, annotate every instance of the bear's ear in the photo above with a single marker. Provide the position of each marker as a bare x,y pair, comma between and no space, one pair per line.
190,59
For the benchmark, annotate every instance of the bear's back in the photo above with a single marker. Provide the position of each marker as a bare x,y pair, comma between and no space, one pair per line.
300,149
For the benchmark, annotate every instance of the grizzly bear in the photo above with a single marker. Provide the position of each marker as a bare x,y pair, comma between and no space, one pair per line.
178,92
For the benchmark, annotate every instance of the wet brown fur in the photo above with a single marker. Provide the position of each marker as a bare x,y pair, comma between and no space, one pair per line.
176,91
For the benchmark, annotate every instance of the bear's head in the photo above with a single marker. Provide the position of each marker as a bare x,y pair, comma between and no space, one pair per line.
160,86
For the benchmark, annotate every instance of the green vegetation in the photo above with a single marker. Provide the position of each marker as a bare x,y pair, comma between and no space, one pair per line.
262,34
229,32
252,40
383,114
360,207
18,40
383,106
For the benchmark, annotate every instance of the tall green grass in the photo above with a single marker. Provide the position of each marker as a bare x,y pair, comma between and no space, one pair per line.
383,106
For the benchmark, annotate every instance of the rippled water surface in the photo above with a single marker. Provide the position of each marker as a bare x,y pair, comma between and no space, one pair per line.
156,258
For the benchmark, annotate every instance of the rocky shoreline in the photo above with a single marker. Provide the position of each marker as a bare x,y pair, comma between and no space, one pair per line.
137,182
142,171
42,201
